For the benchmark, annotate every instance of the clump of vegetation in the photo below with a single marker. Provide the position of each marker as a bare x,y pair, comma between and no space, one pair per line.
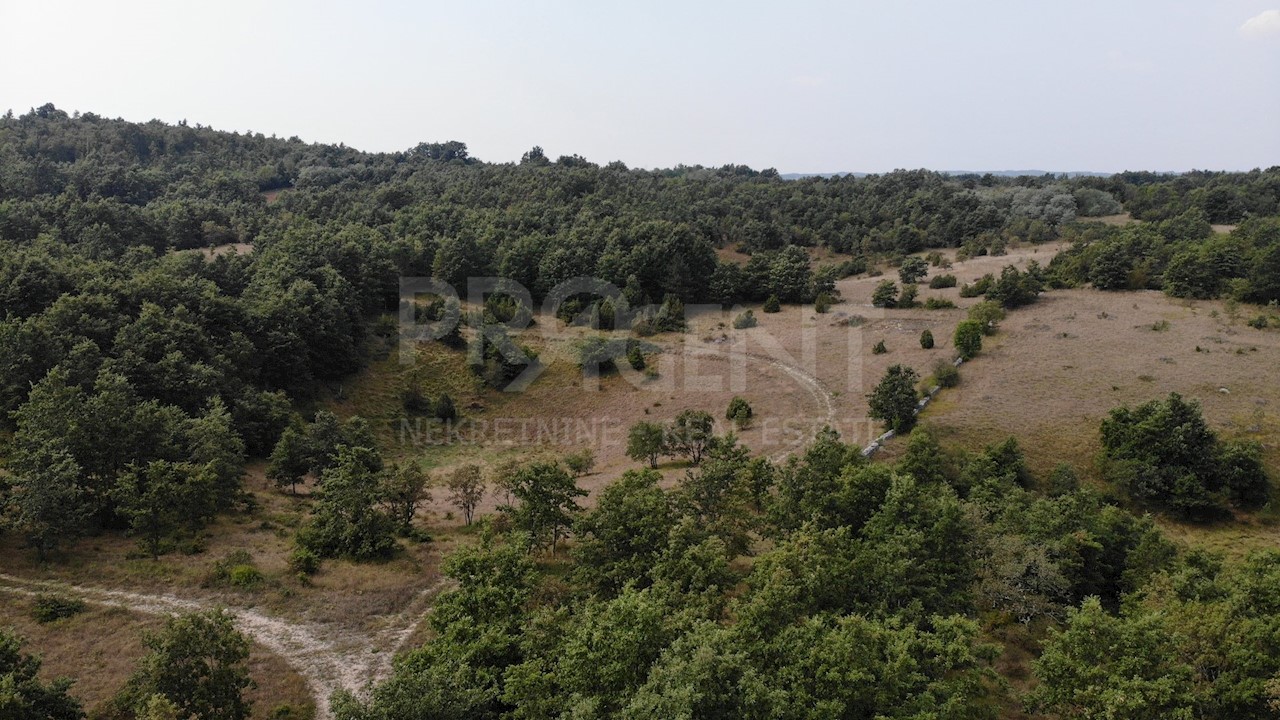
822,304
977,287
879,348
772,304
987,315
936,303
938,282
885,295
1164,455
745,319
926,339
739,412
894,399
946,374
48,608
907,298
581,462
912,270
968,339
236,570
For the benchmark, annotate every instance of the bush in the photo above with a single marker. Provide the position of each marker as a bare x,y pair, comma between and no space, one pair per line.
977,287
926,340
1259,322
244,576
913,270
968,339
635,358
304,561
987,315
739,412
879,348
934,303
773,304
747,319
938,282
823,303
946,374
908,297
49,608
444,408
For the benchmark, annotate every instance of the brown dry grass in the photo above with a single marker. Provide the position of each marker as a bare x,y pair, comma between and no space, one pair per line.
100,647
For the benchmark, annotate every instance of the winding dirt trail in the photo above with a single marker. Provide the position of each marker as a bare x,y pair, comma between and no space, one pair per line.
329,657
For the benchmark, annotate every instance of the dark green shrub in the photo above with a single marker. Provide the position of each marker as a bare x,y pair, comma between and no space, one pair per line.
926,340
746,319
49,608
879,348
773,304
938,282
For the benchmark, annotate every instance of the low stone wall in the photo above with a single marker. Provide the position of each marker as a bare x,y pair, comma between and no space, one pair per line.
875,445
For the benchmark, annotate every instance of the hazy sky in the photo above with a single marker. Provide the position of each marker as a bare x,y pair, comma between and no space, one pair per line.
800,86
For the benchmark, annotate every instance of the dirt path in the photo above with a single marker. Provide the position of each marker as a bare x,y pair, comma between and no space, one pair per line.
327,656
813,387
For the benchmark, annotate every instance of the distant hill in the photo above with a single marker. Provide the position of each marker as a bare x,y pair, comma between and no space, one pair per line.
997,173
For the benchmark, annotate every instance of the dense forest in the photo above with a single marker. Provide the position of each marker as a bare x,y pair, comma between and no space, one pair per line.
143,361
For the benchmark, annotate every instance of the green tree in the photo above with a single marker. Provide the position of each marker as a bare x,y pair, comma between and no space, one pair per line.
968,339
988,315
404,489
198,662
622,537
926,340
47,505
23,696
690,434
1101,666
290,461
894,399
646,441
161,498
546,504
913,270
772,304
581,462
885,294
346,520
466,489
217,450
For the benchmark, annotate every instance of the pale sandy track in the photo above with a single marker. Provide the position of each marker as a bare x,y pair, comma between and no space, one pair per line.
327,656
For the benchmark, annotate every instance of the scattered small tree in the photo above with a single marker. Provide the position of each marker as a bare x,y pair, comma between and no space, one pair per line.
822,303
746,319
913,270
160,499
879,348
290,460
739,412
691,434
546,504
946,374
907,299
968,339
894,399
22,695
885,294
926,340
988,316
404,488
645,442
772,304
466,490
347,520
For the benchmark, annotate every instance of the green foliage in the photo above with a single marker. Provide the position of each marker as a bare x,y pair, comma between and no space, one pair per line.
1164,455
935,303
236,570
968,339
23,695
926,340
303,561
163,499
907,298
48,608
404,489
772,304
581,462
885,294
977,287
988,315
646,441
912,270
545,502
1014,288
197,663
623,537
739,412
945,373
466,489
938,282
746,319
893,400
346,520
690,435
879,348
822,304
